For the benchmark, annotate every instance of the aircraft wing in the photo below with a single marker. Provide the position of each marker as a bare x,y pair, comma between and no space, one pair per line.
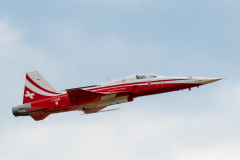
78,94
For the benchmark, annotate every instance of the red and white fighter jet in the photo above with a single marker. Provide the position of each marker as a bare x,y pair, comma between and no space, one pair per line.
41,99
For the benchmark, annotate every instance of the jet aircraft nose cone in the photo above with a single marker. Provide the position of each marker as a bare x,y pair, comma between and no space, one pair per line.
210,80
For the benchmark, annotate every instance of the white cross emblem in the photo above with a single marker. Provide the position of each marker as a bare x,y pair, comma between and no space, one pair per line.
30,95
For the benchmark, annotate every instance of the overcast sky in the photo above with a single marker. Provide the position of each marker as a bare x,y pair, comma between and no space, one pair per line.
77,43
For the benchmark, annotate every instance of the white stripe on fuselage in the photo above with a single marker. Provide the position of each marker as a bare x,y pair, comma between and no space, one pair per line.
111,85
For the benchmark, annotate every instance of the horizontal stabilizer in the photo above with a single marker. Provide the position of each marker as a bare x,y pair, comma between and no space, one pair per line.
102,111
39,117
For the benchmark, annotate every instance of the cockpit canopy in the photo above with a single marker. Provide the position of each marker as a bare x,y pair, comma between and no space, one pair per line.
146,76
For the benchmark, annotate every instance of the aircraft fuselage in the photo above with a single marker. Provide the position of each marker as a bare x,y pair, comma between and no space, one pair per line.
92,99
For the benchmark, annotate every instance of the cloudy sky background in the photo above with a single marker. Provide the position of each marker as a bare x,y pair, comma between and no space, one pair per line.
77,43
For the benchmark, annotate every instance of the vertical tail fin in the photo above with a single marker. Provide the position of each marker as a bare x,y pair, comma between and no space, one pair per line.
37,88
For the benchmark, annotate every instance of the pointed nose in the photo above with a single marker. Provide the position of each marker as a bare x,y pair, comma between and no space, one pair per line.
210,80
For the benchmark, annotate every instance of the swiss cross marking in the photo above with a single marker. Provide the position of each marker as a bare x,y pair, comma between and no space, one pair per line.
30,95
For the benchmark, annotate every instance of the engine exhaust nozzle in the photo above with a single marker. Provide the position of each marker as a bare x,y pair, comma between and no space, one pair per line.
20,110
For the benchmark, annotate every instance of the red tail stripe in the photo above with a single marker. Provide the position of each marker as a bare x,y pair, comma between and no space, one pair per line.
35,84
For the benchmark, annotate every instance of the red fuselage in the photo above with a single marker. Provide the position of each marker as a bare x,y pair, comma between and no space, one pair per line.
92,99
